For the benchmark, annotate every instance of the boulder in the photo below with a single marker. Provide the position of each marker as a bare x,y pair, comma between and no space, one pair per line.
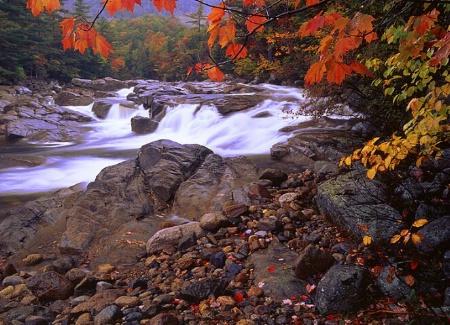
352,200
273,272
101,108
143,125
311,261
67,98
342,289
50,286
436,236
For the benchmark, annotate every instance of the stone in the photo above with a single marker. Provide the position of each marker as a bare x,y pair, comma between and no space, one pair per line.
218,259
50,285
7,269
311,261
101,108
127,301
75,275
106,268
391,285
32,259
107,315
67,98
172,236
98,301
213,221
235,210
197,291
143,125
12,280
436,236
352,200
20,314
275,175
63,264
280,282
164,319
342,289
84,319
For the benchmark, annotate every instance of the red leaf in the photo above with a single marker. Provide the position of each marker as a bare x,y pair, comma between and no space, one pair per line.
215,73
239,297
112,6
337,71
217,13
257,3
67,26
169,5
315,73
312,25
414,264
255,23
236,51
271,268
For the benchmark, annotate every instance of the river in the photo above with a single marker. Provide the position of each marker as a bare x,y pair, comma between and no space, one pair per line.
111,140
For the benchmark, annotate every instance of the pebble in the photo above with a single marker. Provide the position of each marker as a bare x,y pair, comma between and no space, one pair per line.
33,259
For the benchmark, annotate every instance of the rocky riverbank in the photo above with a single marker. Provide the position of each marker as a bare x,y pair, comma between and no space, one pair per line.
181,235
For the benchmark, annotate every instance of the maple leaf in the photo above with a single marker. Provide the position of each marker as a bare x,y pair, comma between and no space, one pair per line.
312,25
227,34
112,6
67,26
214,73
214,31
255,23
68,42
336,71
129,5
38,6
346,44
217,13
236,51
361,69
311,2
315,73
169,5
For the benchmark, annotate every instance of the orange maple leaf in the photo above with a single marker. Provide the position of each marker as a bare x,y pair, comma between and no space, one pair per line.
169,5
217,13
100,44
236,51
129,5
315,73
112,6
67,26
38,6
337,71
213,31
312,25
214,73
360,69
227,34
255,23
311,2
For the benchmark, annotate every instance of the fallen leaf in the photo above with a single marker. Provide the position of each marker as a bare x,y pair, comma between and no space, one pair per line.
271,268
409,280
420,223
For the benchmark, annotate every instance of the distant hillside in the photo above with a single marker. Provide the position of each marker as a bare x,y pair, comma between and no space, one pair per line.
183,7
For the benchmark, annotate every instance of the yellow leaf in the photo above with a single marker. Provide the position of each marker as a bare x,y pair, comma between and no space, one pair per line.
367,240
371,173
420,223
404,232
348,161
395,239
409,280
416,238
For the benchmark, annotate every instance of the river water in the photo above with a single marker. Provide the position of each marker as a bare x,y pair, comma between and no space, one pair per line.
111,140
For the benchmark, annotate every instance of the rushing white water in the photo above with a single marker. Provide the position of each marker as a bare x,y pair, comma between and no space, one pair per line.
252,131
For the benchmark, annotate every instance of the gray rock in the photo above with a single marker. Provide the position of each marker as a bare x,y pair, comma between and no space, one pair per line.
143,125
436,236
410,190
12,280
446,264
342,289
352,201
107,315
98,301
312,260
393,285
20,314
63,264
198,291
213,221
50,285
172,236
281,282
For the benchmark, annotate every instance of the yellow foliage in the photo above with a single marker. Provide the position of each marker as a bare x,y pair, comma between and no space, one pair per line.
420,223
367,240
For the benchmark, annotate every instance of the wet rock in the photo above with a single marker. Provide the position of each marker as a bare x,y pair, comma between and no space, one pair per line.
143,125
75,275
101,108
235,210
342,289
12,280
50,285
352,200
98,301
312,260
20,314
63,264
164,319
275,175
7,269
436,235
127,301
195,292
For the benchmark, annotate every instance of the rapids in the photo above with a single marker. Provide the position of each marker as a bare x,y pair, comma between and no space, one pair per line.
110,141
